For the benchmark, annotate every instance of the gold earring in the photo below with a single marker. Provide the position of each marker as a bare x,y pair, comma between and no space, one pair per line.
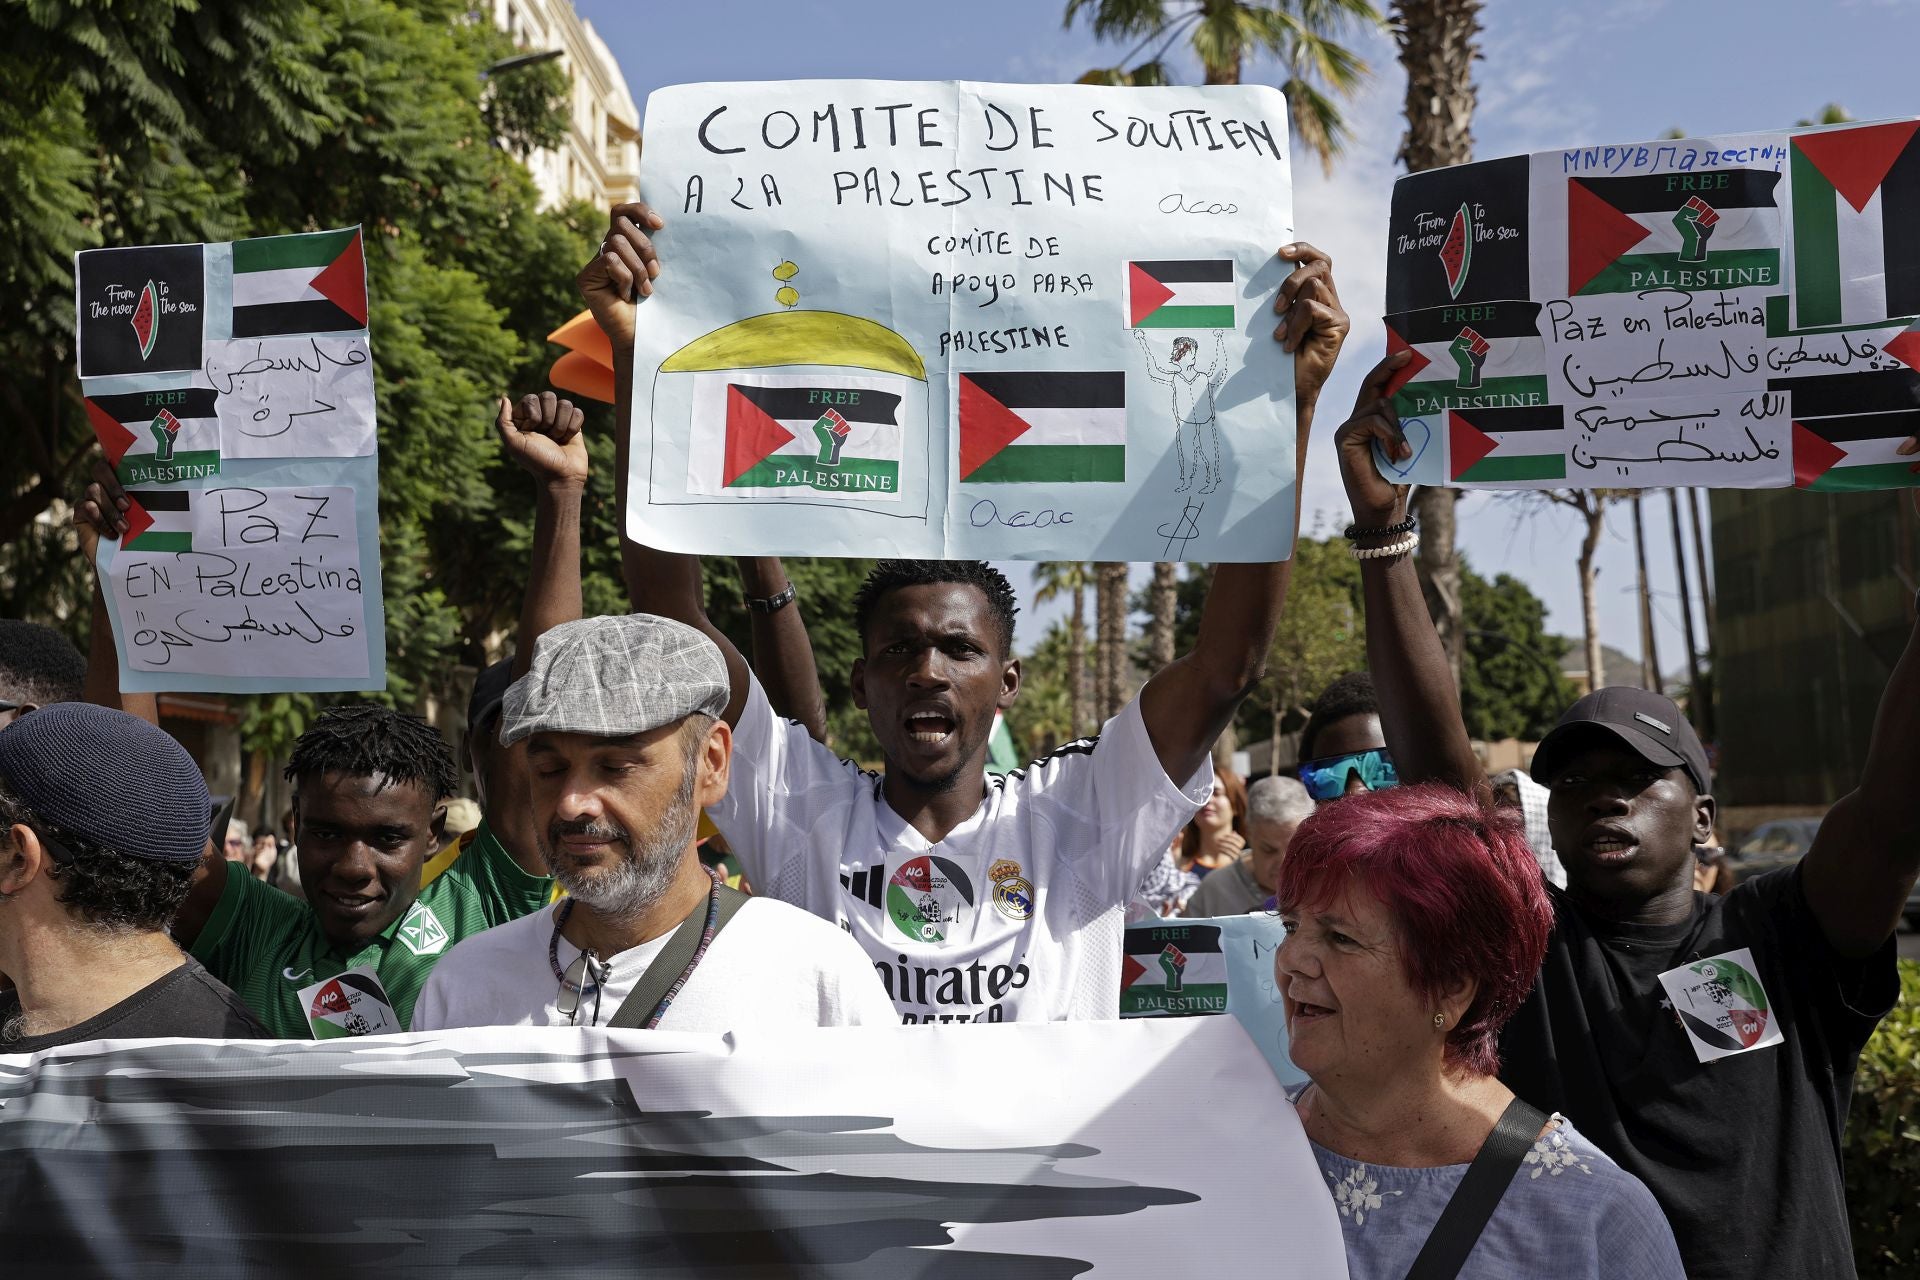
1439,1020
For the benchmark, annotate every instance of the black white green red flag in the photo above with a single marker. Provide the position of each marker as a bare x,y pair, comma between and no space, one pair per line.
1043,428
1708,229
311,283
1856,224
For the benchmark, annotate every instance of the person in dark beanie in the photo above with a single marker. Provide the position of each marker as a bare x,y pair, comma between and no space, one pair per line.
103,819
38,667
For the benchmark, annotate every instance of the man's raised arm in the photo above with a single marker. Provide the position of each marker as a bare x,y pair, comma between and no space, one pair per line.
782,650
658,582
1189,704
1866,857
1419,705
542,434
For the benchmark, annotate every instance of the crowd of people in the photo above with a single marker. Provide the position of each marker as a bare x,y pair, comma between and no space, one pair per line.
1491,984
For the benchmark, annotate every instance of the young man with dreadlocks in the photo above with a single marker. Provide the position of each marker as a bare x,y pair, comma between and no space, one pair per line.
370,787
976,899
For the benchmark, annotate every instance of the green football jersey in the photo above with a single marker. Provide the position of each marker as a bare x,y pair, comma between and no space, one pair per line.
267,946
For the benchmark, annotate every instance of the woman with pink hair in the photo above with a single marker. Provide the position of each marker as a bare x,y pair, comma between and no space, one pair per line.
1416,922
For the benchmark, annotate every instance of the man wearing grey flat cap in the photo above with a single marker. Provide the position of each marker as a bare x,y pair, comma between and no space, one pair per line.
621,717
103,819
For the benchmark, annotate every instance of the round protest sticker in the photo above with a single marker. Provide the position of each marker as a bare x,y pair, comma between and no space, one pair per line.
926,896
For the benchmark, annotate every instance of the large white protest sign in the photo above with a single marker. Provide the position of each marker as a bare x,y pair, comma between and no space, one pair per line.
1045,1150
951,319
231,388
1735,312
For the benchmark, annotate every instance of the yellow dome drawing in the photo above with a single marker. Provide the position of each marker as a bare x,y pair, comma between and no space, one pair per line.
799,337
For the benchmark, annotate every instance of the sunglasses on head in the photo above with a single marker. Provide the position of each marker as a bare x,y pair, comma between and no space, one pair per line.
1326,778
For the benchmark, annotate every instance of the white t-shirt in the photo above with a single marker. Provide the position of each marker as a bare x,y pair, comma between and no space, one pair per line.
771,967
1016,916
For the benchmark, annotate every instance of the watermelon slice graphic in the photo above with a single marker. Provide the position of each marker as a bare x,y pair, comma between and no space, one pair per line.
1456,255
146,319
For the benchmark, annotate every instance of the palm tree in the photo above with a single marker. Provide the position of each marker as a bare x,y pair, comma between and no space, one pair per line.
1163,599
1438,43
1110,648
1302,34
1055,578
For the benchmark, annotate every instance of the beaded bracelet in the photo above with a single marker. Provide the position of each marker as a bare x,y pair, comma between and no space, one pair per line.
1354,532
1400,548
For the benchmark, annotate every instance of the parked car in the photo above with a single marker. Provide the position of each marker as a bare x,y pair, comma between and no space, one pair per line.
1773,845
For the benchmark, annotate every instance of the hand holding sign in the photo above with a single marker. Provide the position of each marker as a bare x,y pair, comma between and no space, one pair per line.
622,272
1313,323
1374,425
101,511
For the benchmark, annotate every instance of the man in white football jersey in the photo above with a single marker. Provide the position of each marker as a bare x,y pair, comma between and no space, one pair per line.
982,899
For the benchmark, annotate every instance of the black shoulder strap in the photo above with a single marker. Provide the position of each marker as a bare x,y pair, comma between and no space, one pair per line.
1478,1194
638,1008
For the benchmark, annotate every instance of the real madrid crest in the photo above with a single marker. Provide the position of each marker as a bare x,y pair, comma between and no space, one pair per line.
1012,893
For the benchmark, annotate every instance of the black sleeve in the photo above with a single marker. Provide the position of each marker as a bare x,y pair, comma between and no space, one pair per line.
1850,995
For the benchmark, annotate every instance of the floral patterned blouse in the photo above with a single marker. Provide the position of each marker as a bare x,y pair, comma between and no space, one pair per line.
1570,1213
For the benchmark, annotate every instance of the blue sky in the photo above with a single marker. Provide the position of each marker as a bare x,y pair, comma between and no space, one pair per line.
1554,73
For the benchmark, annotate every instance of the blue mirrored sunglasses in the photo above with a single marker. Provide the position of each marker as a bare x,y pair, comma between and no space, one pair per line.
1326,779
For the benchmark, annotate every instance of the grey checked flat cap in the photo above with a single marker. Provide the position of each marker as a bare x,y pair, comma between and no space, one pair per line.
611,677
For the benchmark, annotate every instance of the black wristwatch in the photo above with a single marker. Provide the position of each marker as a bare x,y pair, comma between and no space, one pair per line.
771,604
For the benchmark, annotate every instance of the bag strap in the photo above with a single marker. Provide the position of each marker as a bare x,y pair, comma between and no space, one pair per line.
675,959
1478,1194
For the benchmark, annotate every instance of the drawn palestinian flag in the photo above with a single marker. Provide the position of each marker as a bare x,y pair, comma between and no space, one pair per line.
159,520
1856,224
1522,447
315,283
1195,294
1487,355
1847,426
1043,427
150,436
1175,970
1709,229
787,435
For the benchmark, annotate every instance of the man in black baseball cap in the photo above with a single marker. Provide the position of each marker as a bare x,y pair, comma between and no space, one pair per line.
1627,859
1707,1044
103,819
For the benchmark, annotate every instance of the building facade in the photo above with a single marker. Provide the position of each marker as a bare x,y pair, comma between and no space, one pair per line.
1814,600
600,160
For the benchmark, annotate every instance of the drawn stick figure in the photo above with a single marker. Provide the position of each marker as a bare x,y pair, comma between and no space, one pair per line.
1193,407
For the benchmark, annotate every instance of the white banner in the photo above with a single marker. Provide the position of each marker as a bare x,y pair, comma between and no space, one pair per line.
1150,1148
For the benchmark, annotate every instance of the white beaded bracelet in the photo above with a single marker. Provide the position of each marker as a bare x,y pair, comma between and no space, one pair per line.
1399,548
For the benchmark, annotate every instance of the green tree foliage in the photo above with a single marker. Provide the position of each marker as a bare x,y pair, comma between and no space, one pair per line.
825,590
1042,718
142,121
1883,1142
1303,35
1511,686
